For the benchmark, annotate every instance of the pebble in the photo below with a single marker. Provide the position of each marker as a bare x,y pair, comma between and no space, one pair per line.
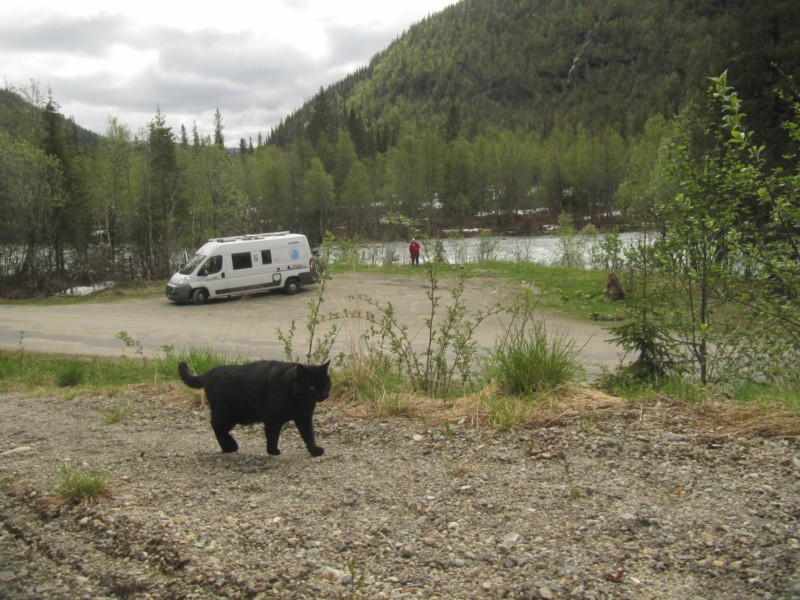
17,450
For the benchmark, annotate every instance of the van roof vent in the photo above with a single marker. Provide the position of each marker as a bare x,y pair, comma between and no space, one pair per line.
249,236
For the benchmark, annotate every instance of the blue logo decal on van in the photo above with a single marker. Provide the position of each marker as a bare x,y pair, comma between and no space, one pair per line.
295,254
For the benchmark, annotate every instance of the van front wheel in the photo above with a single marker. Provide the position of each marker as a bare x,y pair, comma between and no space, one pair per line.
200,296
292,286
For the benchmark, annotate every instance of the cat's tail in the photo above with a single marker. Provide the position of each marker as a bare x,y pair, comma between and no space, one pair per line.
193,381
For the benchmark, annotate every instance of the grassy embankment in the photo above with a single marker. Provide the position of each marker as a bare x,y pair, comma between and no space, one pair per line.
489,400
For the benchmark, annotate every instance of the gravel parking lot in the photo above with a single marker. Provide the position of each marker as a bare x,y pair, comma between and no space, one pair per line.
247,327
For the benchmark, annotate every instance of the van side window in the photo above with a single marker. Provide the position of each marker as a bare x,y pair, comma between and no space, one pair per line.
213,265
241,260
266,257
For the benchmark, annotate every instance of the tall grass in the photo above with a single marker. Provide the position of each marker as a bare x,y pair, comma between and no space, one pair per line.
373,380
527,360
199,360
71,373
78,485
28,370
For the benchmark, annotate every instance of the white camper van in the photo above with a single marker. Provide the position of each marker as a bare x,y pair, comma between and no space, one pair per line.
235,266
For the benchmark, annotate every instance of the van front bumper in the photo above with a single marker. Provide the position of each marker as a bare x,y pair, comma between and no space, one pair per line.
179,293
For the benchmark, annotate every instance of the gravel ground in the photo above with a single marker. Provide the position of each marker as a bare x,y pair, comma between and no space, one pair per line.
612,502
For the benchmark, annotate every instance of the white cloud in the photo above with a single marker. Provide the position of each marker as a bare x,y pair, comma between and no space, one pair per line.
255,62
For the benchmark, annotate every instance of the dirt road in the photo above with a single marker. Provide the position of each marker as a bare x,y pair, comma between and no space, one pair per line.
248,327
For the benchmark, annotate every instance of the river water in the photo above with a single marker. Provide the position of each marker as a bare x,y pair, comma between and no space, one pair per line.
541,249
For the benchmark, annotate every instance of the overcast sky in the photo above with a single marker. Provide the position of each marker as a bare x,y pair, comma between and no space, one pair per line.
255,61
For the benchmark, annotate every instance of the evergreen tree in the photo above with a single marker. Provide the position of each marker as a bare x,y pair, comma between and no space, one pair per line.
320,126
72,217
156,221
219,138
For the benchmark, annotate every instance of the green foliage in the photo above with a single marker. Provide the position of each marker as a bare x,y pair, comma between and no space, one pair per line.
131,342
487,247
368,376
572,245
650,343
728,263
319,345
199,360
81,486
357,577
450,348
477,66
505,412
71,373
26,370
607,253
119,412
526,360
576,293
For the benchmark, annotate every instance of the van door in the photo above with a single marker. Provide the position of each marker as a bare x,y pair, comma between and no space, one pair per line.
269,274
253,272
212,275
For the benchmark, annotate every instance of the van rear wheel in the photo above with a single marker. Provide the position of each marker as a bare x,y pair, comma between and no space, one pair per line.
200,296
292,286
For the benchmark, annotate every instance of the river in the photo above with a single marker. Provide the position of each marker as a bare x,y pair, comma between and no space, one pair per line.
540,249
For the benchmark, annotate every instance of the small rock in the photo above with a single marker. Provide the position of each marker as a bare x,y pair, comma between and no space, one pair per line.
331,574
457,562
510,540
546,593
17,450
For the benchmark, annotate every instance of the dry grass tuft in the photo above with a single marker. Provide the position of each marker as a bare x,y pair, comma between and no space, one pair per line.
770,419
490,409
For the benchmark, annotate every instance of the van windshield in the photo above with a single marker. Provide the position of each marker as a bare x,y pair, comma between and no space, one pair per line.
190,266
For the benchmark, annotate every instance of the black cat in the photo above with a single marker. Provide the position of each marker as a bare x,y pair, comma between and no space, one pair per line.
267,391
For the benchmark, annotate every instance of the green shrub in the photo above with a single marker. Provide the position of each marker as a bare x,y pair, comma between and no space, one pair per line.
81,486
528,361
368,378
71,373
199,360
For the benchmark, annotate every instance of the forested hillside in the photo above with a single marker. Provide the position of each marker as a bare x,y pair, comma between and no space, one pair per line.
533,65
497,114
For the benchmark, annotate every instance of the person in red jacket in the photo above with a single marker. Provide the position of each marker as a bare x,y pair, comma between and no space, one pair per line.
413,250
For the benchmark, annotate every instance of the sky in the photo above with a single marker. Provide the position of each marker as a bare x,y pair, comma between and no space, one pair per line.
256,62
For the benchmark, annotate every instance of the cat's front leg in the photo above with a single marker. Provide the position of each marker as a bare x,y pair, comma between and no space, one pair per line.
272,433
306,429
